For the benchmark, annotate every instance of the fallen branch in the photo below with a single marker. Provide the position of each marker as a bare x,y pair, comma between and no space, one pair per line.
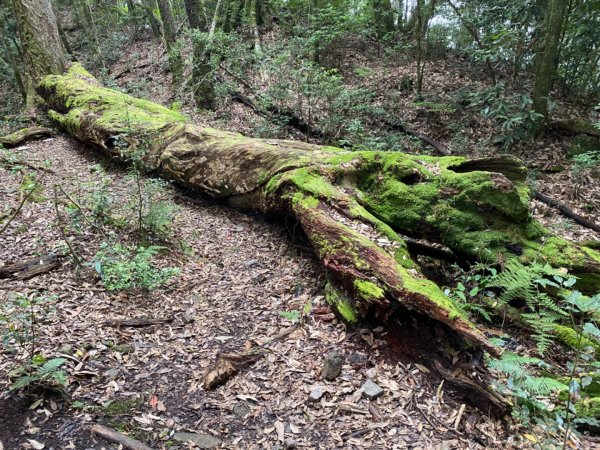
19,162
403,128
31,267
21,204
24,135
575,126
118,438
229,364
567,211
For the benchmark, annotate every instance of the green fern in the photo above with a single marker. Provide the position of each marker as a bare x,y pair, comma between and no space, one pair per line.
50,366
542,385
529,284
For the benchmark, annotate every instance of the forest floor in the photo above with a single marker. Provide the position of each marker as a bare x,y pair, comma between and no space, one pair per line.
238,274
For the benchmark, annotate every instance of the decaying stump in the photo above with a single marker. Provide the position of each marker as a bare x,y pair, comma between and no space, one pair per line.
356,208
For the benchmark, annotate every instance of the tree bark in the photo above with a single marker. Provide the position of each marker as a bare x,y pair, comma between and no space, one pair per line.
355,207
547,59
168,24
43,51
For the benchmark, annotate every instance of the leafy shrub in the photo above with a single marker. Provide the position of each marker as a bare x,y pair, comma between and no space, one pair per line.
512,112
124,267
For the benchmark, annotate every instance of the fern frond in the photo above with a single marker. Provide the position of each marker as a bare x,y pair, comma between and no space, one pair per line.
543,385
52,365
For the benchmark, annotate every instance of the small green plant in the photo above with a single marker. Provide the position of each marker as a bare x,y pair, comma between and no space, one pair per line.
585,161
41,372
126,267
470,294
292,316
99,201
19,331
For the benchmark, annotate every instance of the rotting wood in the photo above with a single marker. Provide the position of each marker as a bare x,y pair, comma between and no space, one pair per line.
24,135
576,126
228,365
353,206
32,267
118,438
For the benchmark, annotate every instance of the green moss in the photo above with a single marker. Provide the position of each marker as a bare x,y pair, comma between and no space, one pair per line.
571,338
122,406
430,290
114,111
341,304
368,290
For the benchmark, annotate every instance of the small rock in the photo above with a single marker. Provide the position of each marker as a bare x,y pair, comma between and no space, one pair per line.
241,410
316,393
111,374
201,440
259,278
251,263
66,349
332,366
123,348
371,390
290,444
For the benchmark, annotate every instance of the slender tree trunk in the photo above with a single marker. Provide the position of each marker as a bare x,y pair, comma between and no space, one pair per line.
168,25
170,39
202,70
547,59
383,16
423,14
42,48
154,22
196,14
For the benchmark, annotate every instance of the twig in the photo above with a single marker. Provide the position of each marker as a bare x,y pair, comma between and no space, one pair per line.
7,161
25,198
62,230
85,217
119,438
567,211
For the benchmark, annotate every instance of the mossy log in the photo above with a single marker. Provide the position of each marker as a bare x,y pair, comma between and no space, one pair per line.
24,135
357,208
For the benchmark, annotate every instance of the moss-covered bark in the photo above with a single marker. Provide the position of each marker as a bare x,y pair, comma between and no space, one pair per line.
43,51
355,207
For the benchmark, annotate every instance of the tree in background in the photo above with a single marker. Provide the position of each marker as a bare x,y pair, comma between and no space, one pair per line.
546,58
41,46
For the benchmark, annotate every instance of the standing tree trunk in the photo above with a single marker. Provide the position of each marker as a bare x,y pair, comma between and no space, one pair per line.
202,70
423,14
196,14
547,59
154,22
43,51
168,25
169,36
383,16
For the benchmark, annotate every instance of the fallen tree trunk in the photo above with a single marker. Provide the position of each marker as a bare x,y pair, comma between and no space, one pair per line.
355,207
576,126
